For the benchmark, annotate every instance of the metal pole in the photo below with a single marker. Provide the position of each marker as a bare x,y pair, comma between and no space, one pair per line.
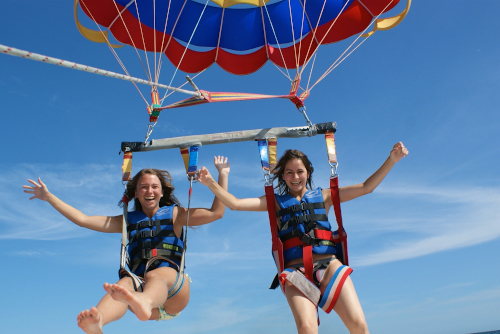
34,56
230,137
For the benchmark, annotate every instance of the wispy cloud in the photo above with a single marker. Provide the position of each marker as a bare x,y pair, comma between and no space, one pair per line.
452,218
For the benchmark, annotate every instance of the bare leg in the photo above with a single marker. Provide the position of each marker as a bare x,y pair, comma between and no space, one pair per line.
304,312
347,307
108,310
154,294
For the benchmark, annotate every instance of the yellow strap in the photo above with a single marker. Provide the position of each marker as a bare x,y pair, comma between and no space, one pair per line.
272,145
330,147
93,35
390,22
185,157
127,166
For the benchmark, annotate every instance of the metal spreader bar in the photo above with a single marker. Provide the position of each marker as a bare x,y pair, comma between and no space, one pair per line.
38,57
229,137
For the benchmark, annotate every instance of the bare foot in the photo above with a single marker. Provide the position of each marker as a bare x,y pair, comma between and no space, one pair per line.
90,321
135,300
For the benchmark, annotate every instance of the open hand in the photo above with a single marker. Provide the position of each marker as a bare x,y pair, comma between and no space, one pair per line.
398,152
39,190
204,176
222,164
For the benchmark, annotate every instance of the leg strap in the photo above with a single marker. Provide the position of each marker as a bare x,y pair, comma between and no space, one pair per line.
305,286
333,289
136,280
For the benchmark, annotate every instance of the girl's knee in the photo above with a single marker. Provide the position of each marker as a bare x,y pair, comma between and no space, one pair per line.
307,327
358,326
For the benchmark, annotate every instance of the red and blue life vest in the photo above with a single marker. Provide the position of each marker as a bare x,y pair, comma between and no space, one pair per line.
304,223
151,237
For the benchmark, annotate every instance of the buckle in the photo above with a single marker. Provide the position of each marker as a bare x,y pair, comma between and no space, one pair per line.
145,234
306,239
146,253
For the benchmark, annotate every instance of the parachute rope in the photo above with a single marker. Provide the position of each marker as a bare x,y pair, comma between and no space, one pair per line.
220,30
338,61
148,73
160,58
112,50
276,38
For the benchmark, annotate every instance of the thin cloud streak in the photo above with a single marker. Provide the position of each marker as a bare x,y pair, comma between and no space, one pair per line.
476,221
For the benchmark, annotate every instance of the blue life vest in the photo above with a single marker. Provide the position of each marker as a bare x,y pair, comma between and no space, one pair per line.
304,222
152,237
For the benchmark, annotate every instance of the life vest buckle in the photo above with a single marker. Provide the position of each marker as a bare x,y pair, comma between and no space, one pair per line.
146,234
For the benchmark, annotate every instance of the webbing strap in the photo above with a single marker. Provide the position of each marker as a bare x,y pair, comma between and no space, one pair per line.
153,109
277,247
272,148
127,166
264,157
330,147
300,207
308,261
193,160
334,188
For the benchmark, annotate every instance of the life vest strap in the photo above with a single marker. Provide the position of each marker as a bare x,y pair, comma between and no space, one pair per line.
302,207
313,218
149,223
158,247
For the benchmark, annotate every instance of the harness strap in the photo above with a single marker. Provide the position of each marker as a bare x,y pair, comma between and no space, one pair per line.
300,207
334,188
276,242
149,223
313,218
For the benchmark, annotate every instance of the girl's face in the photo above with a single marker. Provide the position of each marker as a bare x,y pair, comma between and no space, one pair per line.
295,175
149,193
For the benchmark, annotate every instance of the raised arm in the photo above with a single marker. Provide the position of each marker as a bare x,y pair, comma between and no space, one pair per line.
350,192
201,216
243,204
96,223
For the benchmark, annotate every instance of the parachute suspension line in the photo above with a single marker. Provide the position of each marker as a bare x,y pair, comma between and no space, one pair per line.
187,45
114,52
276,38
148,73
327,32
264,29
310,73
339,60
160,58
313,29
297,57
131,39
301,34
185,83
220,30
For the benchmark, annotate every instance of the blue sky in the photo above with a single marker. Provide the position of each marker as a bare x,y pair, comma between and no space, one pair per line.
422,245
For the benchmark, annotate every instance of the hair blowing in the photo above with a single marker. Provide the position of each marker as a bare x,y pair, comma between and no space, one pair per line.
279,170
168,197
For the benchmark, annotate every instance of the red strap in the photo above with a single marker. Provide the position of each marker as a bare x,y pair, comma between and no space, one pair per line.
307,257
277,245
319,234
334,188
